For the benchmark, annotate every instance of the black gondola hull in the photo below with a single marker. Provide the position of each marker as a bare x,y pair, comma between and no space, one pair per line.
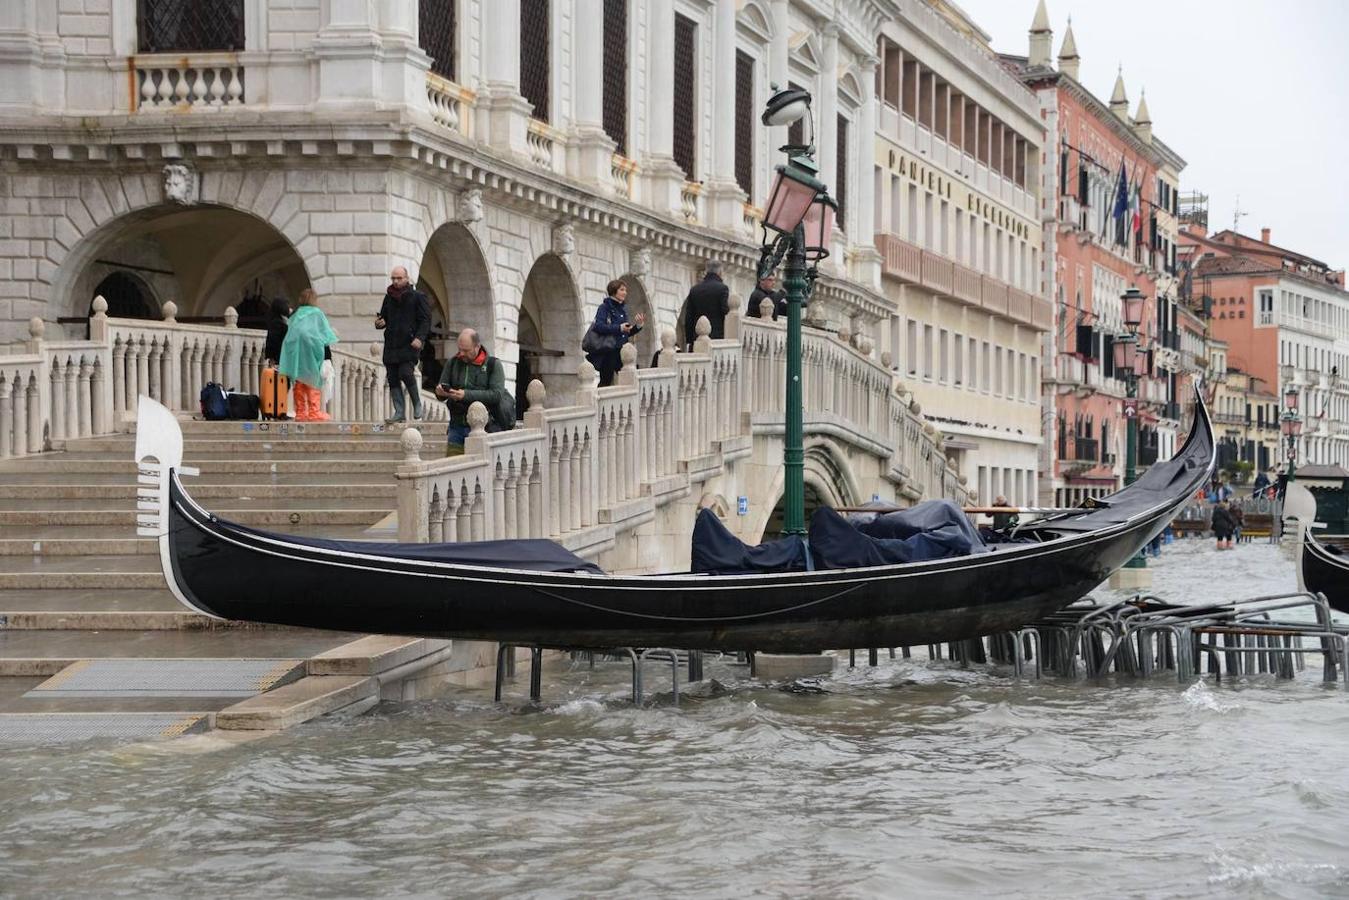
236,574
1325,572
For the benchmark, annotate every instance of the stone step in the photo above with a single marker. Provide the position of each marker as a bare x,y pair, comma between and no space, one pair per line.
226,505
180,620
254,447
62,463
26,653
70,601
80,580
300,701
200,427
73,536
98,477
260,517
100,546
373,655
60,565
58,727
128,490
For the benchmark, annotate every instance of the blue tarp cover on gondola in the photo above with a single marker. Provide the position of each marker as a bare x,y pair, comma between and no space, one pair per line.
937,529
716,551
532,554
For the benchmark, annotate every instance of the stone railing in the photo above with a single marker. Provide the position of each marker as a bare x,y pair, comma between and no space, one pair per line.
583,473
622,172
690,196
201,81
451,104
54,391
542,143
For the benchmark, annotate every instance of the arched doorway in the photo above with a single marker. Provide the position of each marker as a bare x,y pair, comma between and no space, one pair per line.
455,278
550,328
127,296
814,500
202,258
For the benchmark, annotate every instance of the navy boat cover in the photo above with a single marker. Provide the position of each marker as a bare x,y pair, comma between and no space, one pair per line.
718,552
532,554
936,529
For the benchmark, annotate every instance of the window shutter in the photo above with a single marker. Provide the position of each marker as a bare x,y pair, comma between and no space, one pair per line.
744,122
615,78
685,95
841,175
189,26
535,68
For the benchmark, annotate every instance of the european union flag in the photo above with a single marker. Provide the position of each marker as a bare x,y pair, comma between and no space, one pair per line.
1121,194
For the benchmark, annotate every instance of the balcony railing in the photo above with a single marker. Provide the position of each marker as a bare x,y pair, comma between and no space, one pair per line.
1086,449
940,274
450,104
200,81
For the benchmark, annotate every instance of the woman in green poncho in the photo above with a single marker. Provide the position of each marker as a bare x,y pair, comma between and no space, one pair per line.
302,354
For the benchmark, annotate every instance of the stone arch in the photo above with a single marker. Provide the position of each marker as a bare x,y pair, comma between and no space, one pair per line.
757,20
128,296
648,339
829,481
551,324
457,280
202,257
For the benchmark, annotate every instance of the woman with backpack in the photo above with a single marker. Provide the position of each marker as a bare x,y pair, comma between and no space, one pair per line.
611,329
302,353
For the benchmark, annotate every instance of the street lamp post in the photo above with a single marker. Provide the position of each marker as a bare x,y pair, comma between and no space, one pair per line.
1131,362
798,227
1290,423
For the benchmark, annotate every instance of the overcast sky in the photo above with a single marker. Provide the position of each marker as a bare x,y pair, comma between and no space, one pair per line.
1253,94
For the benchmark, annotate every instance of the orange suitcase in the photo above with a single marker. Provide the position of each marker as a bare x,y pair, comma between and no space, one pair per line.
273,391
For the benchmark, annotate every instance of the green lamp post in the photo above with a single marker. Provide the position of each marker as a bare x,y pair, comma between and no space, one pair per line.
1132,364
798,227
1290,423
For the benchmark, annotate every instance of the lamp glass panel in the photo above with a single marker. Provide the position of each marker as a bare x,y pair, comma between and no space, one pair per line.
1133,311
788,204
1125,354
1290,399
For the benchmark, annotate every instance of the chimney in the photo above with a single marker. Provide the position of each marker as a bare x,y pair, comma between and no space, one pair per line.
1264,235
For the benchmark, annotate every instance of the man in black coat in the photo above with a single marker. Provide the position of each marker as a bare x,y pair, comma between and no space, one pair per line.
405,319
765,289
709,297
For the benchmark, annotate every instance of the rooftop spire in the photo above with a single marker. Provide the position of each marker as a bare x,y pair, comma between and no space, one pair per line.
1041,23
1068,59
1143,117
1041,39
1119,100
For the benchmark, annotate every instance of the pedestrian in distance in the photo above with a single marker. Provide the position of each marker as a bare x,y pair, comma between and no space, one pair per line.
302,353
1002,521
709,297
405,319
277,315
1223,525
1238,519
1261,482
473,375
767,290
612,328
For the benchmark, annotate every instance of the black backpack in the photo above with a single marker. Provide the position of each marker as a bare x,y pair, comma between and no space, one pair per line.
214,404
502,415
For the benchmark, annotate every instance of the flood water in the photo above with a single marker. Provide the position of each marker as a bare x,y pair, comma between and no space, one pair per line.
916,778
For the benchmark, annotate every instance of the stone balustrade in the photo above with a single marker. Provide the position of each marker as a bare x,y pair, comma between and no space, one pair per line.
583,473
201,81
451,104
63,390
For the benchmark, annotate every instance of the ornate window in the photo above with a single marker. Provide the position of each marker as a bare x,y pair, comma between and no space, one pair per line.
616,73
436,33
189,26
744,122
535,68
841,176
685,95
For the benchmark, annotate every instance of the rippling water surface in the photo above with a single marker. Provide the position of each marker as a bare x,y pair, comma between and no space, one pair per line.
915,778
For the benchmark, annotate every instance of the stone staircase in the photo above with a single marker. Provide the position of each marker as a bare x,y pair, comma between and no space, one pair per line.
79,588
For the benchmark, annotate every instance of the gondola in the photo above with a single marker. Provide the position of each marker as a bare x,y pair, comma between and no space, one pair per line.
1325,570
537,593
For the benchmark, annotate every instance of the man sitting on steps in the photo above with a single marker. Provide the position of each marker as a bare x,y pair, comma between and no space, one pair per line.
470,375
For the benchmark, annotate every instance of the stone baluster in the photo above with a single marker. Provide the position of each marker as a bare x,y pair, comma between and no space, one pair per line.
100,409
478,516
523,499
6,418
506,500
603,436
34,414
560,499
435,519
85,416
118,378
587,467
464,528
155,388
450,528
58,421
70,379
669,424
20,413
572,499
536,509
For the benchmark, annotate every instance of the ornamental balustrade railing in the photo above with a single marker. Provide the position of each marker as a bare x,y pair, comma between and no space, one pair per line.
583,473
54,391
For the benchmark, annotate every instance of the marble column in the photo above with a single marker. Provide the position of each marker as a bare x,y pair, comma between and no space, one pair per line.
663,178
725,199
503,115
778,53
826,106
590,150
866,260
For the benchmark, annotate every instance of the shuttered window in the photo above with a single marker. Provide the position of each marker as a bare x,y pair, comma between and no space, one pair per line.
616,73
685,95
744,122
841,174
189,26
535,69
436,34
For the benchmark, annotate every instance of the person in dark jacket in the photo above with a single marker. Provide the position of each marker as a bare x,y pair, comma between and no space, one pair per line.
612,319
470,375
766,290
276,331
709,297
1223,524
405,319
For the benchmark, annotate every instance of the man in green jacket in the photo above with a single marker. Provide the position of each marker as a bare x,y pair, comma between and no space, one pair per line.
470,375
